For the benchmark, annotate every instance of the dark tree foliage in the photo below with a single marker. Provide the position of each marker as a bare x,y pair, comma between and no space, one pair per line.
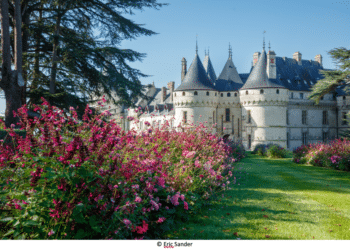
72,46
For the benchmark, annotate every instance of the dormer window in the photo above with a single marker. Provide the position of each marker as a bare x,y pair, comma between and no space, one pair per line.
277,91
228,94
195,93
207,92
288,81
246,92
301,95
235,94
305,82
261,91
183,93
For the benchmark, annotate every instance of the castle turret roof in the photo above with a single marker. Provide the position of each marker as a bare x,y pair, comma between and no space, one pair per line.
196,77
209,69
258,77
229,79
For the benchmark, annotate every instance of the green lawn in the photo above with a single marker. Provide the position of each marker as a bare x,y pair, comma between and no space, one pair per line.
276,199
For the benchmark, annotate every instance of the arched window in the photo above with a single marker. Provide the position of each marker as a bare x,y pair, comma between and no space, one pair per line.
222,94
246,92
277,91
235,94
183,93
195,93
228,94
207,92
261,91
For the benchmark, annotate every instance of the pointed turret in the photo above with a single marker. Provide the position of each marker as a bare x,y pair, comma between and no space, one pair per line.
209,68
229,79
258,77
196,77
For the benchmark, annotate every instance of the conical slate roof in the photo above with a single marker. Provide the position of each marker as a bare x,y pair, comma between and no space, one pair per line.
229,79
258,77
209,69
196,77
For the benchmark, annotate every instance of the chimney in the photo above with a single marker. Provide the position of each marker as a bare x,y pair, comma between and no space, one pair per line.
271,64
183,69
318,58
297,57
171,86
163,94
256,57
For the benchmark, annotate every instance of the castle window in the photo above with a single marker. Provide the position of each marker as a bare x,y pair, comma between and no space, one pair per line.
183,93
334,96
344,97
195,93
249,141
304,138
235,94
222,94
292,95
213,117
287,116
322,98
174,94
324,117
246,92
171,123
287,139
227,115
261,91
207,92
215,94
303,117
301,95
249,116
277,91
344,121
228,94
233,127
184,118
238,127
324,136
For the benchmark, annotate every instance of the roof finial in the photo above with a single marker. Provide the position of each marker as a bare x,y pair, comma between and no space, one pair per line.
264,40
269,46
205,52
229,51
208,50
196,45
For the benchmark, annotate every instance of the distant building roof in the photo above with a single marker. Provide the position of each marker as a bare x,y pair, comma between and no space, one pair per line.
229,79
209,69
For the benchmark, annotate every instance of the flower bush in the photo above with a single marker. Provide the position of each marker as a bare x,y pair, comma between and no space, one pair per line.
335,154
92,180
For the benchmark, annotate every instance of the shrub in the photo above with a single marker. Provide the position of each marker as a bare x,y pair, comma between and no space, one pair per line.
260,149
95,181
275,151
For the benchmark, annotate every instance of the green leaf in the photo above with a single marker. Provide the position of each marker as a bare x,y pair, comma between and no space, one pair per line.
31,223
9,232
7,219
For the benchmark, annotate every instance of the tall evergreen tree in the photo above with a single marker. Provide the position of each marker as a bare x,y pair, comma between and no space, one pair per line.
67,45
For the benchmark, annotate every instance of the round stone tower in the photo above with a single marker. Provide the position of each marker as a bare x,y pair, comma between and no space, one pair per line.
264,108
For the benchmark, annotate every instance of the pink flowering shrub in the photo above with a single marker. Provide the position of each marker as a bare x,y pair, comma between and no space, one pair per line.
92,180
335,154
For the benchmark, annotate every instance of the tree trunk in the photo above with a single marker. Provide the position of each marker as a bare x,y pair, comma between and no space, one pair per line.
13,102
37,53
25,32
5,45
54,54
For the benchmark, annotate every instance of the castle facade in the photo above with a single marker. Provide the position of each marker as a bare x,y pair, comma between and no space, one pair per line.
267,105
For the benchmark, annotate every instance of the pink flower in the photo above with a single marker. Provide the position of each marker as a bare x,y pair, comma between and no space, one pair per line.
185,205
138,199
161,220
126,222
191,154
182,197
51,232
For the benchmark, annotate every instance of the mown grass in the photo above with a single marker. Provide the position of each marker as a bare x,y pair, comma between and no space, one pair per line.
276,199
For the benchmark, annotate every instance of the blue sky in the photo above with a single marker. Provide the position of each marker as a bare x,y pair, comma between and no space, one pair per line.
309,26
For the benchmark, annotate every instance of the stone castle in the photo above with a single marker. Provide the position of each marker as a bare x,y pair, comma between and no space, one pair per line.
268,105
